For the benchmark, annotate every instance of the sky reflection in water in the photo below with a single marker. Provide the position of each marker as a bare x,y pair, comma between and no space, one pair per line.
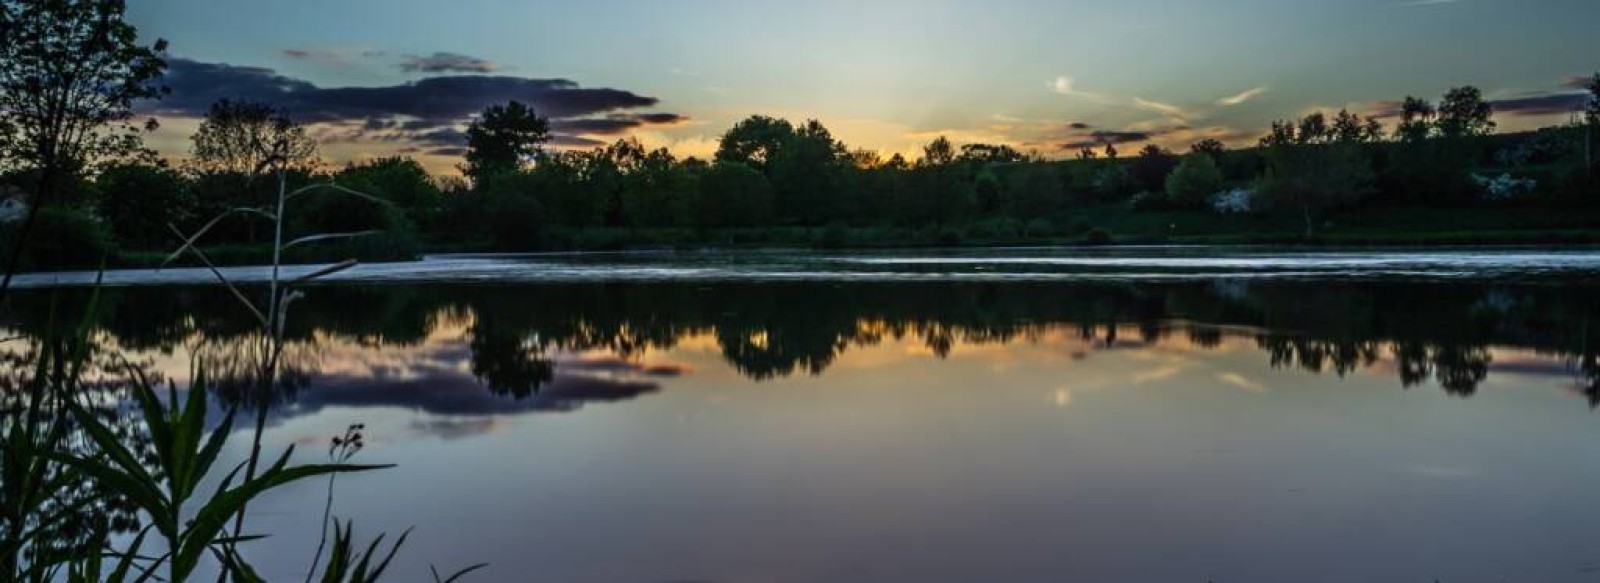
1229,431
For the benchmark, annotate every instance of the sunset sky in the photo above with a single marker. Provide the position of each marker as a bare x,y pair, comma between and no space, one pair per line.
380,77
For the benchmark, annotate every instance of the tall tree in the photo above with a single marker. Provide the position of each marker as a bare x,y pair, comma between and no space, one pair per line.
1311,169
503,139
1465,114
70,72
240,137
1152,166
755,142
939,152
1416,120
1211,147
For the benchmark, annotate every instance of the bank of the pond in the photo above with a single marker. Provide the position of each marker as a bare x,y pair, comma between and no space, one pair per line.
1105,224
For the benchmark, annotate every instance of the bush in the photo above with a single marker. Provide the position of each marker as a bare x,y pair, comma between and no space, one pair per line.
1097,236
1148,201
1193,181
833,236
61,238
515,223
1040,228
947,237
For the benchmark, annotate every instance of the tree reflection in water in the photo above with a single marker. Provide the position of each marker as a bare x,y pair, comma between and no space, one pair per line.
1443,333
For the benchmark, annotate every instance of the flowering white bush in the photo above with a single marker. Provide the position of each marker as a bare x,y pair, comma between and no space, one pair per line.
1231,201
11,206
1504,186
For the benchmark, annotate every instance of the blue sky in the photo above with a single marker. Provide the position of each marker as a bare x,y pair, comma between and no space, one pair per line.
889,75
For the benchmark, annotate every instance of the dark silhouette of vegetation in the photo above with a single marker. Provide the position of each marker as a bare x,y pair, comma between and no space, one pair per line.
70,72
239,137
1433,332
503,139
771,182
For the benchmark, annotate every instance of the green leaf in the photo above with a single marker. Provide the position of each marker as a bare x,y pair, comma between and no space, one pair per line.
211,517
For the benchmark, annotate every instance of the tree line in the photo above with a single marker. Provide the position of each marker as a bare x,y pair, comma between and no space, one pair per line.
71,152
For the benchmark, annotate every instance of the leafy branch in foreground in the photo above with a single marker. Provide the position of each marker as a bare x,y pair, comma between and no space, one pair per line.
185,457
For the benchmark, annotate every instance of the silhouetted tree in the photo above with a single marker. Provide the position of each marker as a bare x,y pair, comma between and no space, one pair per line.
1311,169
754,142
239,136
504,138
939,152
1464,114
1211,147
1152,166
1416,120
70,72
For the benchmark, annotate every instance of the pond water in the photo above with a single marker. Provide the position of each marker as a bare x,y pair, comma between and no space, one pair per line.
1038,415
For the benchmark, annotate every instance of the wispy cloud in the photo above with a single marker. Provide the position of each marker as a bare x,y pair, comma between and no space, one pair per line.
1166,109
1068,86
1242,97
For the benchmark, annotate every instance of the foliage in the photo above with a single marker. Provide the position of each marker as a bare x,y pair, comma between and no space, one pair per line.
1505,187
1232,201
1194,181
138,201
1464,114
238,137
1311,169
1151,168
733,195
503,139
70,72
61,238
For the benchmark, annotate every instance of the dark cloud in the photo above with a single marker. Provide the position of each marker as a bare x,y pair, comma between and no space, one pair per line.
1384,109
1551,104
452,393
330,55
1578,82
1102,137
442,62
566,141
1078,125
614,124
429,112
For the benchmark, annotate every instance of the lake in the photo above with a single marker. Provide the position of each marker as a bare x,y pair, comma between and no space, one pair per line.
1142,414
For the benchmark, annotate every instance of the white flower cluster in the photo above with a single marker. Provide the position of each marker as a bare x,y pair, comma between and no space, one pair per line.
1504,186
1231,201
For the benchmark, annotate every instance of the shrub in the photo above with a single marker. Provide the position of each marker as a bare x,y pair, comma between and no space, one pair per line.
1505,186
1195,179
1232,201
60,238
1147,201
1040,228
833,236
1097,236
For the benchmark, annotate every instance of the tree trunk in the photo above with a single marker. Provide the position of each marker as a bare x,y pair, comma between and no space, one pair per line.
1311,228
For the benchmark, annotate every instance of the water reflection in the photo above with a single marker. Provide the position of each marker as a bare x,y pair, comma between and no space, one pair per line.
924,432
455,349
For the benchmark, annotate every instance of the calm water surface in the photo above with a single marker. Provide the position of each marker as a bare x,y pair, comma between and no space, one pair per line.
1165,415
